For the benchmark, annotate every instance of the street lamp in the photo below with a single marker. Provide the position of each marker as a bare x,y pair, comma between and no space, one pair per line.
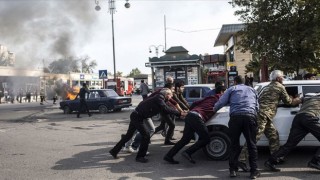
156,49
112,10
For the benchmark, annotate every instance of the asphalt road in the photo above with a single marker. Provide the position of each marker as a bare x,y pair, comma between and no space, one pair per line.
47,144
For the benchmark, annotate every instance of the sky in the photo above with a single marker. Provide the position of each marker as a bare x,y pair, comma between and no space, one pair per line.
40,31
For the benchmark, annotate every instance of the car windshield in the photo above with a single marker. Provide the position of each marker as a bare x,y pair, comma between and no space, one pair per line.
109,93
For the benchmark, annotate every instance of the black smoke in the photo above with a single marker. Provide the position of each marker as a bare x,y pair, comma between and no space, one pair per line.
45,29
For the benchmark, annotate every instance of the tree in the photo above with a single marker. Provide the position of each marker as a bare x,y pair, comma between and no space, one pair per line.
287,32
134,72
88,67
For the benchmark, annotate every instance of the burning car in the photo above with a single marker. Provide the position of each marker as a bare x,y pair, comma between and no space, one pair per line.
103,100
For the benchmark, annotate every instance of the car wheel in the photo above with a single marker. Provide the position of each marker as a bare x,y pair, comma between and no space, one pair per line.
66,110
156,117
219,146
103,109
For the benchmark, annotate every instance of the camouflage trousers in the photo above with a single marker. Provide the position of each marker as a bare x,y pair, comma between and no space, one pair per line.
266,127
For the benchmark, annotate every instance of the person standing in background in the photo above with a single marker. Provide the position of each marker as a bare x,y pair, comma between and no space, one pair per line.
143,90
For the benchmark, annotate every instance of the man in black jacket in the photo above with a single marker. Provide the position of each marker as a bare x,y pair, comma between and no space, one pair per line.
146,109
82,96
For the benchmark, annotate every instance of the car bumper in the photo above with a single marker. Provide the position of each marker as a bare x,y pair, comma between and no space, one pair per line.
122,106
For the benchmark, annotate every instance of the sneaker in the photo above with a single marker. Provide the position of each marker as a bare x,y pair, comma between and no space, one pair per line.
128,149
170,160
255,175
314,165
271,166
233,173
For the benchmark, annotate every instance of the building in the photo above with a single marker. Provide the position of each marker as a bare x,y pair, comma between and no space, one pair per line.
178,64
236,60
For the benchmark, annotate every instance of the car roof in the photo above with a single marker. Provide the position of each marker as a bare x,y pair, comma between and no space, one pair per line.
294,82
200,85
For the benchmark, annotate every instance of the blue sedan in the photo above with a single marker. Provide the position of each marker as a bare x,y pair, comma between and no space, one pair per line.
103,100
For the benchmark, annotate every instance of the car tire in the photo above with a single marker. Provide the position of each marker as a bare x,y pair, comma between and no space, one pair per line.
156,117
103,109
219,146
66,110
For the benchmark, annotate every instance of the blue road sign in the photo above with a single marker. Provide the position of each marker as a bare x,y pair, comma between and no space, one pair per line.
103,74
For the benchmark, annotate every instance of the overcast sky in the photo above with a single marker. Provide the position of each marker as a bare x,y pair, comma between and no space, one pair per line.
48,29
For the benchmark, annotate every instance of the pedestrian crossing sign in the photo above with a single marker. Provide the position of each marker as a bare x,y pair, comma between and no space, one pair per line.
103,74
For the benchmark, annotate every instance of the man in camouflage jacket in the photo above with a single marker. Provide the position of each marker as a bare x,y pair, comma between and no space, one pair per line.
268,102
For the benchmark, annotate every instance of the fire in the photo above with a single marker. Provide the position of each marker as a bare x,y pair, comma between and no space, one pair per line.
71,93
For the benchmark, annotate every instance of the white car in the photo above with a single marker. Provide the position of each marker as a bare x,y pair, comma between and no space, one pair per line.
219,146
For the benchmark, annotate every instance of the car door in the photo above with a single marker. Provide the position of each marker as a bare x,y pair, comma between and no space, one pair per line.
92,100
284,116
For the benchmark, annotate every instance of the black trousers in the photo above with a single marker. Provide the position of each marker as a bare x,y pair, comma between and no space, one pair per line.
136,123
193,123
302,124
83,103
166,118
246,124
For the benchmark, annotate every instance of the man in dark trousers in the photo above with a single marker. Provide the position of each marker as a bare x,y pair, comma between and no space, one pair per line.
82,96
244,105
146,109
200,112
306,121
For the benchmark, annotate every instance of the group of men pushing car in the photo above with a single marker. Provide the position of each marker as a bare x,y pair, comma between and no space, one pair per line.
250,115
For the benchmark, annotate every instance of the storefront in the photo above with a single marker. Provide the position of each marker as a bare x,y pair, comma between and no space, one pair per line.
178,64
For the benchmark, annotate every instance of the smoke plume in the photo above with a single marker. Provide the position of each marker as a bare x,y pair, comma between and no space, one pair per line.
45,29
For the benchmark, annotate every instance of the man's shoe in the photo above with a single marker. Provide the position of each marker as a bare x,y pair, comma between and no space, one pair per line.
141,159
170,160
169,143
233,173
243,166
188,157
90,115
113,154
314,165
272,167
255,175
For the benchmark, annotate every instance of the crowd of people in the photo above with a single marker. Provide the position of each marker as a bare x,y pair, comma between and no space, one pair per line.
250,115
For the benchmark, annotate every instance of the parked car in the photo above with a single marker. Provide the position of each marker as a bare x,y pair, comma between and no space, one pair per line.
103,100
219,146
196,92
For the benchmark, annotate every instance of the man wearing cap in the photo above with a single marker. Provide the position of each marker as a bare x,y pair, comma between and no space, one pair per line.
82,96
306,121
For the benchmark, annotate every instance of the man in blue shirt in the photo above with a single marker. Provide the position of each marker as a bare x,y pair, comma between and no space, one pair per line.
244,105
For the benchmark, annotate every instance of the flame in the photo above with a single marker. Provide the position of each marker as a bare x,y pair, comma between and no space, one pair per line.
71,93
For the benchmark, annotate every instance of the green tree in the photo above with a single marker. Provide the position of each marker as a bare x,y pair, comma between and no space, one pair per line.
287,32
134,72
